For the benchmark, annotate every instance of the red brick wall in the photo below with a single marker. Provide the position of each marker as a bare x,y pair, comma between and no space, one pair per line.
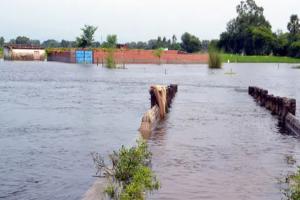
133,56
147,57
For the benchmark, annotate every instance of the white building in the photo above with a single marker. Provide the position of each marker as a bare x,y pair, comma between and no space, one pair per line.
23,52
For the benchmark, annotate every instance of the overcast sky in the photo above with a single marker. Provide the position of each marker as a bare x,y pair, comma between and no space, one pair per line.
131,20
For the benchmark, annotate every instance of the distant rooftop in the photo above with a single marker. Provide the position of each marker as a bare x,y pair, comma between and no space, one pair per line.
23,46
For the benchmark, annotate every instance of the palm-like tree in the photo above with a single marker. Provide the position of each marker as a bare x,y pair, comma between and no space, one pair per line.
294,26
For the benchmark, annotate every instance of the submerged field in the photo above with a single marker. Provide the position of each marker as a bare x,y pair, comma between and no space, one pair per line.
215,144
233,58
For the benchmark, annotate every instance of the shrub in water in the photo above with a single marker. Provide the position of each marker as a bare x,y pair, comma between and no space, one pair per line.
158,53
110,59
293,192
214,59
130,176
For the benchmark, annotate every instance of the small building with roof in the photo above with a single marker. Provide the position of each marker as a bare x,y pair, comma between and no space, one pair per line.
24,52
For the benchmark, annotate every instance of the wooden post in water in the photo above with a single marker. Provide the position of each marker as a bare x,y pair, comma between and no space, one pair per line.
161,98
283,107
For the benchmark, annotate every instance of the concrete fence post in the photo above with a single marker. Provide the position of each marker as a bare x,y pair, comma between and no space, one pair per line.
283,107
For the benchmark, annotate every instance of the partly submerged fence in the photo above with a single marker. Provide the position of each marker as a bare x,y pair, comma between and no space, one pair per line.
161,99
283,107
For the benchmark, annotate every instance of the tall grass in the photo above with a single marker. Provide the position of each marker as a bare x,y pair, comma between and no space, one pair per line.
1,52
214,59
158,53
110,59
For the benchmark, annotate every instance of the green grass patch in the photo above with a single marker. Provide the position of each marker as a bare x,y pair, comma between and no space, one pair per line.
1,52
110,61
234,58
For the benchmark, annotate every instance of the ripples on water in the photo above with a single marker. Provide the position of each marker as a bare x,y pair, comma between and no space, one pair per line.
216,144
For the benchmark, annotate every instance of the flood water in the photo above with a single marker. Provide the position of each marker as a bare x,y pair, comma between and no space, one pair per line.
216,143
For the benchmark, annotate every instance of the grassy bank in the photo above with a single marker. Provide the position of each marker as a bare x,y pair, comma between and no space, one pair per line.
258,59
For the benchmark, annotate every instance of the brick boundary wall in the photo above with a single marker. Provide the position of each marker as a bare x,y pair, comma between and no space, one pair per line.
136,56
133,56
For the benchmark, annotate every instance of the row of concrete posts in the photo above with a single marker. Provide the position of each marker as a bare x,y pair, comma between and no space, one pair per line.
283,107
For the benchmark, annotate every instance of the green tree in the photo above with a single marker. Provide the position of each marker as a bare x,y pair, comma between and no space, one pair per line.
87,37
294,49
141,45
261,40
35,42
294,25
174,39
65,44
158,53
51,43
239,36
12,41
190,43
281,44
22,40
111,41
2,42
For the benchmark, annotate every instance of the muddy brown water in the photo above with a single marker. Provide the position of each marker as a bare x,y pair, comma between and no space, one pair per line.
216,143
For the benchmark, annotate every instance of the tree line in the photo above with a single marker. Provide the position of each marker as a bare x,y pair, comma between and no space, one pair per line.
188,43
250,33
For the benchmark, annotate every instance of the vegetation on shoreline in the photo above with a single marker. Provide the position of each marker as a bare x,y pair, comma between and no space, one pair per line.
1,52
130,176
293,190
110,59
235,58
158,53
110,47
214,59
250,33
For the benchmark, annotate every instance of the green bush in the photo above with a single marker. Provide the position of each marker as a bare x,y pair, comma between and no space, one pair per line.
158,53
110,59
294,49
293,192
130,176
214,60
